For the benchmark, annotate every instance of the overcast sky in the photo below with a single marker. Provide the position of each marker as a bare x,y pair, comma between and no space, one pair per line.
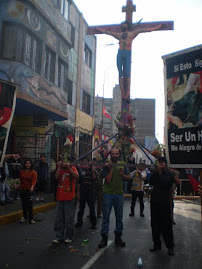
148,48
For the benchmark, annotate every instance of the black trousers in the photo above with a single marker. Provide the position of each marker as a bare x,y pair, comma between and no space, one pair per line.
161,223
87,196
140,195
27,204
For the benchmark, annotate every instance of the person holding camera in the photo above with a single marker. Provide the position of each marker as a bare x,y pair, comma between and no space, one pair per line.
66,175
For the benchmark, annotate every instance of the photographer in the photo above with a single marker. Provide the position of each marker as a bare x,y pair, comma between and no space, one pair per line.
86,193
66,175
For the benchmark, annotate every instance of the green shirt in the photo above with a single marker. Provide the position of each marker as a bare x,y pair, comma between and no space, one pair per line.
116,184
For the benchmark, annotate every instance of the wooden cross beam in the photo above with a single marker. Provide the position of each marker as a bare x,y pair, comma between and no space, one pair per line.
167,25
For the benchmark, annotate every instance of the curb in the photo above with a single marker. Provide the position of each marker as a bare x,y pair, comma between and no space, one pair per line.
8,218
178,197
182,197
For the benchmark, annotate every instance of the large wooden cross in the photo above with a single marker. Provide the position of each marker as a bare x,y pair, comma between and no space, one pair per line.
129,9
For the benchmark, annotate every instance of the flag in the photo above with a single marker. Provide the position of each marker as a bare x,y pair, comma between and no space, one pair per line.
194,178
106,113
7,107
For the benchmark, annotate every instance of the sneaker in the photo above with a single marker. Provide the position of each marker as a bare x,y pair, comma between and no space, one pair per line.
37,200
55,241
68,240
22,220
43,200
32,221
18,198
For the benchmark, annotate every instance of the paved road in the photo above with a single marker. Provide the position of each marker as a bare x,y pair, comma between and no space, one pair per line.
29,246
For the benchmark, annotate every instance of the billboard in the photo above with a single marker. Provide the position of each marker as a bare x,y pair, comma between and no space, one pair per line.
7,107
183,107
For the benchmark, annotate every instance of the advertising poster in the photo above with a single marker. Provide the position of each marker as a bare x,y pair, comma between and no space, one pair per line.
7,107
183,107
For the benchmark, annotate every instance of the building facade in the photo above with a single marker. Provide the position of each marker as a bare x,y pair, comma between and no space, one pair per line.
45,51
144,112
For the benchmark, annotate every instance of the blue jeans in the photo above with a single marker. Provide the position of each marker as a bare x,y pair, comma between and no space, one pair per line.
4,191
109,200
124,63
64,220
125,186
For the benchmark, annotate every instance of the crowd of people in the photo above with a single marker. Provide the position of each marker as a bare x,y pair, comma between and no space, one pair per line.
107,184
84,183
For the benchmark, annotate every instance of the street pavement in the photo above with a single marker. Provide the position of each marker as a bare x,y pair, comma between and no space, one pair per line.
30,246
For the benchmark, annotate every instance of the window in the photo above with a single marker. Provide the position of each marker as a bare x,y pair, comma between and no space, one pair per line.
32,53
24,46
64,8
62,74
49,65
69,89
72,35
40,120
88,56
63,82
86,103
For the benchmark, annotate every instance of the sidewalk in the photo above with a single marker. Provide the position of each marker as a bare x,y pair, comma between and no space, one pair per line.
13,212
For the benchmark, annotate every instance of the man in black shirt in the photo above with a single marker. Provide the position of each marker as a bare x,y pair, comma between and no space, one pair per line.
86,193
161,214
42,169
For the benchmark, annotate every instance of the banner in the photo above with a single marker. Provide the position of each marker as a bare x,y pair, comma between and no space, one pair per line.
7,108
183,119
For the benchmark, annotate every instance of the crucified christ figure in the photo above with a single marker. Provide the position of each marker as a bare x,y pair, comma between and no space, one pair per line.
125,38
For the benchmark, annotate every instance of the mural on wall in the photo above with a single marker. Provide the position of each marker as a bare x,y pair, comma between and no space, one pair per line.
54,16
34,84
71,117
18,12
16,9
34,20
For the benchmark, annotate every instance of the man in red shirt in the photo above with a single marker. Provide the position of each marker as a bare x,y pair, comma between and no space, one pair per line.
64,220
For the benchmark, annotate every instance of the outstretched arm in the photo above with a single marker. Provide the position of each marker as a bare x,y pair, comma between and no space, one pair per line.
115,35
135,32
